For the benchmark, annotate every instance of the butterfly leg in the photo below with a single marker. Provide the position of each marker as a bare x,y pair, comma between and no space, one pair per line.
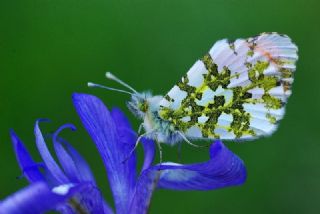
134,148
136,145
140,128
188,142
160,151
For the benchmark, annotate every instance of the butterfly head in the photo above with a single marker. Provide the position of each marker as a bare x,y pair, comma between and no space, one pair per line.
142,103
139,104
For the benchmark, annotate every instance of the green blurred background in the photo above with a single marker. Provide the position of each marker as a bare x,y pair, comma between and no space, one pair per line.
52,48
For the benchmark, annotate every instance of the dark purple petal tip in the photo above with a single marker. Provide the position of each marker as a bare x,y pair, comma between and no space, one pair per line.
28,166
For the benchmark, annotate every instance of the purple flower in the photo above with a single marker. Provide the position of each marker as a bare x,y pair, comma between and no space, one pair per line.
73,185
70,188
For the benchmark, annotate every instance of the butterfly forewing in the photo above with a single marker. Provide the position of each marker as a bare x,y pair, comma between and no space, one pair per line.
236,91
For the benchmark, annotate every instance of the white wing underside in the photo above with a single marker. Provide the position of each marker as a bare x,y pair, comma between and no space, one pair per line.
240,57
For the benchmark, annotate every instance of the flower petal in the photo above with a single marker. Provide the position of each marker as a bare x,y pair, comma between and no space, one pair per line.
103,130
146,184
50,163
66,161
78,170
126,141
36,198
106,208
84,171
29,168
129,136
222,170
149,153
93,201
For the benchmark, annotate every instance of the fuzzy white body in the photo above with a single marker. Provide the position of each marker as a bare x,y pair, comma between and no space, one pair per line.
155,127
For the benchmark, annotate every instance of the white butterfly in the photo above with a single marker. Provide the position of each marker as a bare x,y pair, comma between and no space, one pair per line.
237,91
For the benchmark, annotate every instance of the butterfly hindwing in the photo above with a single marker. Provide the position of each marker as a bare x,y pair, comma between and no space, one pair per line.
236,91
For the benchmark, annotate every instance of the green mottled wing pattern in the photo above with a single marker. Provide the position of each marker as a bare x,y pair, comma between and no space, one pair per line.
236,91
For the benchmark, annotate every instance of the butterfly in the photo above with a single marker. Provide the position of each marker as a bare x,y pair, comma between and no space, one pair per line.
237,91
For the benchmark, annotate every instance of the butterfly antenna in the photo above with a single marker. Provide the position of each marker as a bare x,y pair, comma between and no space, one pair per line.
94,85
110,76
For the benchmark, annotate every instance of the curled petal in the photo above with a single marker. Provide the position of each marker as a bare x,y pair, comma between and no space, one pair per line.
29,168
37,198
113,145
50,163
65,159
222,170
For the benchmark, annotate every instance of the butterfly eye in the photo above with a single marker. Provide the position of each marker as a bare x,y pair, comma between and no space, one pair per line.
143,106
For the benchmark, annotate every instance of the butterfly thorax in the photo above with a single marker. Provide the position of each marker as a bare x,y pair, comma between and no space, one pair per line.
146,107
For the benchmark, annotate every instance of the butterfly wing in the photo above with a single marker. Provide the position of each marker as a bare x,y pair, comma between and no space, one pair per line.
236,91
